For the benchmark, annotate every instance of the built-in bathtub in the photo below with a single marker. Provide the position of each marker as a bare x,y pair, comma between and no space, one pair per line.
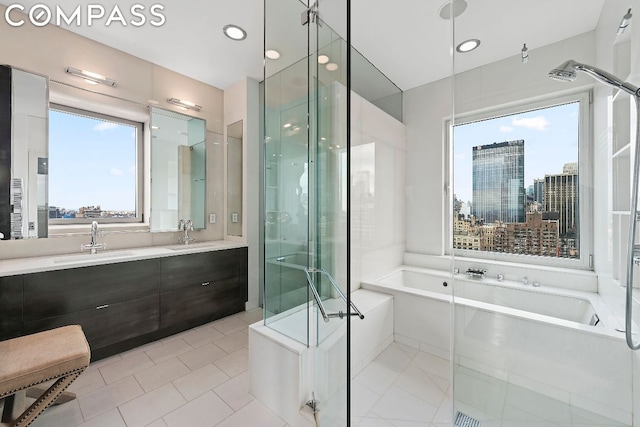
558,342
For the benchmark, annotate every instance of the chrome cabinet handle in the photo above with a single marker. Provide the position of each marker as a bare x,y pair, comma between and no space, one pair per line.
100,307
206,283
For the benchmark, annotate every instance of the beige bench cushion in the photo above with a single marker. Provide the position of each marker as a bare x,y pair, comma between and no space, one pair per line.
35,358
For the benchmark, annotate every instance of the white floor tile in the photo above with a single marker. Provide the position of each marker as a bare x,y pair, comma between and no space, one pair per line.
169,349
254,414
416,382
203,335
65,415
125,367
376,377
398,405
200,381
204,411
362,400
109,419
161,374
202,356
90,380
230,325
109,397
235,392
394,358
233,342
151,406
235,363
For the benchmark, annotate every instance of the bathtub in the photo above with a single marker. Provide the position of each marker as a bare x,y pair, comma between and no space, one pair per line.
558,342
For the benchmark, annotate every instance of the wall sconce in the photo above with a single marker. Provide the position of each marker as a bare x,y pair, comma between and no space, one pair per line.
90,77
187,105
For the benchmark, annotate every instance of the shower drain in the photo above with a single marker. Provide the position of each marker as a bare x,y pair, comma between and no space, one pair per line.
464,420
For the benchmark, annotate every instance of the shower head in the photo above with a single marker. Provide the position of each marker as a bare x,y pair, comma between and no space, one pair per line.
567,72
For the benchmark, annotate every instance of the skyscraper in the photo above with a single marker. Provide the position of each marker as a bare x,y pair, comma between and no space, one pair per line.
498,182
561,197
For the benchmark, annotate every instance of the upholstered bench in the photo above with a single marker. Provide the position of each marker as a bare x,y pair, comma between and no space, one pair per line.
60,354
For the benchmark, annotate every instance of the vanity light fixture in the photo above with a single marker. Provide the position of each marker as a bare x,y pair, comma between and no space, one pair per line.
624,23
234,32
90,77
525,54
188,105
468,45
272,54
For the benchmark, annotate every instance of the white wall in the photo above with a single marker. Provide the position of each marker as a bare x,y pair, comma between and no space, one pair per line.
241,102
49,50
378,157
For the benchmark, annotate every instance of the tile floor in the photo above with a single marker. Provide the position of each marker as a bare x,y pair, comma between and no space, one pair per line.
198,378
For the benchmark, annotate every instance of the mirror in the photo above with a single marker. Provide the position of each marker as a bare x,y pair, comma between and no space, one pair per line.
178,170
234,179
24,122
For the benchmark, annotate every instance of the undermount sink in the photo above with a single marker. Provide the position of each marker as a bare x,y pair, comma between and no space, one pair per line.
184,247
89,257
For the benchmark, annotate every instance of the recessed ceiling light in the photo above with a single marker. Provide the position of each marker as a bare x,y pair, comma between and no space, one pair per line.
234,32
458,7
468,45
323,59
331,66
287,125
272,54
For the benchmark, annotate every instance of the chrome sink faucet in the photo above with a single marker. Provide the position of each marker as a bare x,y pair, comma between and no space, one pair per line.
93,246
186,226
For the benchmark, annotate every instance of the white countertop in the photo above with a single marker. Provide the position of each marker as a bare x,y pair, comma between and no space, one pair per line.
13,267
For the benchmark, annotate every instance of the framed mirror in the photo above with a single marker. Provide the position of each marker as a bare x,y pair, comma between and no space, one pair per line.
234,179
178,165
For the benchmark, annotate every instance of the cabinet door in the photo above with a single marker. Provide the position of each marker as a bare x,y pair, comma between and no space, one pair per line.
108,325
10,307
186,270
199,304
59,292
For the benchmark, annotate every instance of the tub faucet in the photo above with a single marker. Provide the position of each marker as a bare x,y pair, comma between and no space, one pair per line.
93,246
186,226
525,280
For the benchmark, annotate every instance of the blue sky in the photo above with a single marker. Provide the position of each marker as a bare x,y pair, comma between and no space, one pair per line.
91,162
550,140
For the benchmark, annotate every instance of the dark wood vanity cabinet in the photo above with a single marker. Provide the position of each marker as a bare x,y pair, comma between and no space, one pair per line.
10,307
125,304
202,287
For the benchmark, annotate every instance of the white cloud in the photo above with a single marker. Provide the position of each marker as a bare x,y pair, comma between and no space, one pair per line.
132,170
105,126
506,129
537,123
115,172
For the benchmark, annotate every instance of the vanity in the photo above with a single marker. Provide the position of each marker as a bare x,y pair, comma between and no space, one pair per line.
123,299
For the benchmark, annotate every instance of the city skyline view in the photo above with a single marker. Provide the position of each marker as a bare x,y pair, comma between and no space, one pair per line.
108,180
550,135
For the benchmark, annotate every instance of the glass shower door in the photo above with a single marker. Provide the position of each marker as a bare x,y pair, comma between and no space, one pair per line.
305,198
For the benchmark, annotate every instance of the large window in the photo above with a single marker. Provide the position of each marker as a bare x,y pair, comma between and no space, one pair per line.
519,183
94,167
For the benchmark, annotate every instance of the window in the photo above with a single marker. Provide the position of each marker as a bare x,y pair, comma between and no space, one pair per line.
520,183
94,167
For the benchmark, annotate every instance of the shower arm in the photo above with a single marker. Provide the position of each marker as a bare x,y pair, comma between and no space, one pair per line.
608,78
633,250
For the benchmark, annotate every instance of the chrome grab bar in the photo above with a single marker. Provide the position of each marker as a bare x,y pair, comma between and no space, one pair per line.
633,251
316,296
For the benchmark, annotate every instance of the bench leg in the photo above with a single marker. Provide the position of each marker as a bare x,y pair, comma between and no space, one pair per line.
47,398
36,392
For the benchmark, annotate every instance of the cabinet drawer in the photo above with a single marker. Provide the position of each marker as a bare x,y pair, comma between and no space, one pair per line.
192,269
10,307
108,325
214,301
59,292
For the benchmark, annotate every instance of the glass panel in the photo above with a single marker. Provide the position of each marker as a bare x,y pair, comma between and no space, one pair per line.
286,171
534,344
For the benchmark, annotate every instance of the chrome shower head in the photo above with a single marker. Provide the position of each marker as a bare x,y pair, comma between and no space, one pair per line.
565,72
568,70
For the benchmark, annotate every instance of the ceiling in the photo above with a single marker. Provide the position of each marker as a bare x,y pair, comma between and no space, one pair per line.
405,39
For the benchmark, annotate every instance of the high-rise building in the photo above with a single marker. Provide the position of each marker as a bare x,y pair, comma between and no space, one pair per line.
561,197
498,182
538,190
536,236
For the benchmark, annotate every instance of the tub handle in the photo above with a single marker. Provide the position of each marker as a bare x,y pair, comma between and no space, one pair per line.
326,316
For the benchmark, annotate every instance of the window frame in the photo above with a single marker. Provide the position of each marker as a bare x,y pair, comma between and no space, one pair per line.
585,188
139,162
